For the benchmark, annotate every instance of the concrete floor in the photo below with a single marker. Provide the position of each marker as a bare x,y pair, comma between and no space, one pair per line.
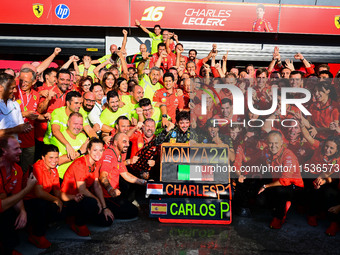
148,236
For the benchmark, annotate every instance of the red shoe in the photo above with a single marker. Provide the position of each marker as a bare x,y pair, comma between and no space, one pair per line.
312,221
332,229
14,252
276,223
80,230
39,241
288,204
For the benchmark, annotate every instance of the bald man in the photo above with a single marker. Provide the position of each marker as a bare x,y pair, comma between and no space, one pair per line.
112,167
286,177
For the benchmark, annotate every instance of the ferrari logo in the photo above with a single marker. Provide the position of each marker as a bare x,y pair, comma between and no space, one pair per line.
337,21
38,10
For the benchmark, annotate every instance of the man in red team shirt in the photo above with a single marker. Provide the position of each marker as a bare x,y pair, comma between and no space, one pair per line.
261,24
10,184
48,103
286,177
162,58
170,97
28,100
112,167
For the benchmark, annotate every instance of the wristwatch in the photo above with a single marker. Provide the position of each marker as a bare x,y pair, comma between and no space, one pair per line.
80,153
164,116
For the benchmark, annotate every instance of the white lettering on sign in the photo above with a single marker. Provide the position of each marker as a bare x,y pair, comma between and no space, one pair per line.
206,17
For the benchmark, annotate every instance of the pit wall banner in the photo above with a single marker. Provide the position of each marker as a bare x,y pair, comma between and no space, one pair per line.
176,14
66,12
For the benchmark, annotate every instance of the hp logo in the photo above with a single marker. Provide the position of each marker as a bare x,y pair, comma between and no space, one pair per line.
62,11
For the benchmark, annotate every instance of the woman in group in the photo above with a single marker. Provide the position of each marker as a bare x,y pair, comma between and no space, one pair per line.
44,203
82,193
108,82
320,186
85,84
325,110
122,86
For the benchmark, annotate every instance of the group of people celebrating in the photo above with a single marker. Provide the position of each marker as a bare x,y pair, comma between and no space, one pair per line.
71,138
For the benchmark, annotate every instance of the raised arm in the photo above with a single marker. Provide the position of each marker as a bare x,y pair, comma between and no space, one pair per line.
46,63
141,64
224,63
124,64
276,58
138,24
125,33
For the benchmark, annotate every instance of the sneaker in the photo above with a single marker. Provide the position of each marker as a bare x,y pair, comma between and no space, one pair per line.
288,204
276,223
332,229
39,241
80,230
312,221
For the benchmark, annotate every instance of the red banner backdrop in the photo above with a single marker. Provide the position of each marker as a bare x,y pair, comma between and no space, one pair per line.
310,20
175,14
198,15
66,12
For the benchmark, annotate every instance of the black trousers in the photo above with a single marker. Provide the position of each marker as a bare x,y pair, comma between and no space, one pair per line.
86,211
321,199
39,213
8,236
278,196
121,208
246,191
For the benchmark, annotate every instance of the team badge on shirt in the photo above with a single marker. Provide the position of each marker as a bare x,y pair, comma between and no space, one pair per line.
140,145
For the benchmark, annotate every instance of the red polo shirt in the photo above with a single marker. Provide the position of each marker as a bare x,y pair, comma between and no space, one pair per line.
287,159
138,141
56,102
112,163
11,184
79,171
322,116
48,179
27,102
172,101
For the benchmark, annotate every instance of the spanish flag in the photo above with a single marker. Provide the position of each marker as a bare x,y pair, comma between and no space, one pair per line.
159,208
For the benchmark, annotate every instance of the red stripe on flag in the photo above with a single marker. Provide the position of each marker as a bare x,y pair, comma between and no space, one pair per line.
155,186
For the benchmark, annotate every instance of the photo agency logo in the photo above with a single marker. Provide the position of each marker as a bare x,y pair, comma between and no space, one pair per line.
280,101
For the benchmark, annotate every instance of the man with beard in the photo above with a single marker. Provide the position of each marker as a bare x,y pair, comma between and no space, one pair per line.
131,101
59,120
149,83
75,138
200,62
10,184
147,111
55,98
112,167
112,112
89,99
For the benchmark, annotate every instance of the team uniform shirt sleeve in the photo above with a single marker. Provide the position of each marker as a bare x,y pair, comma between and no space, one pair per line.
292,175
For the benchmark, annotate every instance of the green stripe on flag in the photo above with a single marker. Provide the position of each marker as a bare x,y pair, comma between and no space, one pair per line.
183,172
